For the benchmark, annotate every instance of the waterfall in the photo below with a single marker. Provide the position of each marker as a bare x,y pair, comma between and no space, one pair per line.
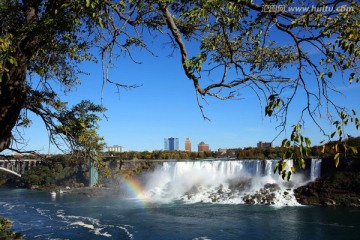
221,181
213,169
315,170
224,181
269,167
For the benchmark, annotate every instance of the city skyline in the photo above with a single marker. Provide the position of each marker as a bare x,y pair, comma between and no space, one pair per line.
187,146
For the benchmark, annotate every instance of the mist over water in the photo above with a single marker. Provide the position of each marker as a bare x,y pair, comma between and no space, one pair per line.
226,182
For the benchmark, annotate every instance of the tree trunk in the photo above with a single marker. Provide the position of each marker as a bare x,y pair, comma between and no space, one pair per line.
12,98
13,85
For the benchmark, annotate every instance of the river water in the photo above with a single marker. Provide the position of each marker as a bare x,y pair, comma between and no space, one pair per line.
71,216
183,200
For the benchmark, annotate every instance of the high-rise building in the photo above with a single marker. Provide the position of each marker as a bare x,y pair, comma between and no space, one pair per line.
187,145
264,144
171,144
203,147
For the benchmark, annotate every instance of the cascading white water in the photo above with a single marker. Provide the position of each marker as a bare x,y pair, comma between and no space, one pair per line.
233,181
269,167
315,170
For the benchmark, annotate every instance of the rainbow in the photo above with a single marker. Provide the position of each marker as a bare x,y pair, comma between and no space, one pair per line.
133,186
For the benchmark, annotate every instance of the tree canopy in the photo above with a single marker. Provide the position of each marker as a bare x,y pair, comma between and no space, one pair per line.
226,47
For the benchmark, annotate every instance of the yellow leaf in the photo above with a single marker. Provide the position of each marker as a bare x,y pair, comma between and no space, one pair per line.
354,150
323,149
337,159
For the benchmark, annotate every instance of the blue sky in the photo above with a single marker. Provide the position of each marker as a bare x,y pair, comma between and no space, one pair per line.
165,106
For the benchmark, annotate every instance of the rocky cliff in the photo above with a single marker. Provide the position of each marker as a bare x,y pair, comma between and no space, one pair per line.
337,186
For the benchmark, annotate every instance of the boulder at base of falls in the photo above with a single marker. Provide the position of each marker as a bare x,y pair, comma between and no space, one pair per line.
264,196
340,189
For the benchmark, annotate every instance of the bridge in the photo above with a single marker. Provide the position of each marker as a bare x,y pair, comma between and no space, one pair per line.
18,167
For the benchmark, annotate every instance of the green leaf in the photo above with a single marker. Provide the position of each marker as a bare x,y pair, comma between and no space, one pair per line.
333,134
351,48
351,78
87,3
268,111
302,163
13,61
292,137
339,131
301,148
330,74
101,23
288,175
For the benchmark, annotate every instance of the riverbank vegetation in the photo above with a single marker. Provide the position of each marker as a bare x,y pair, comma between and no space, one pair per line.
5,233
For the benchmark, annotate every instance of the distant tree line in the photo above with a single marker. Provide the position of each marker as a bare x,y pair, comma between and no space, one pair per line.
68,170
159,154
327,150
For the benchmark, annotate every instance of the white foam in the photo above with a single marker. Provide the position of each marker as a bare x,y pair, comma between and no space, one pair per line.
82,224
131,236
92,224
224,182
96,231
9,206
105,234
42,212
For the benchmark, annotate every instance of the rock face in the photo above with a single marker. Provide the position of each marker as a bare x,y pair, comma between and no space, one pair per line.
339,189
265,196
